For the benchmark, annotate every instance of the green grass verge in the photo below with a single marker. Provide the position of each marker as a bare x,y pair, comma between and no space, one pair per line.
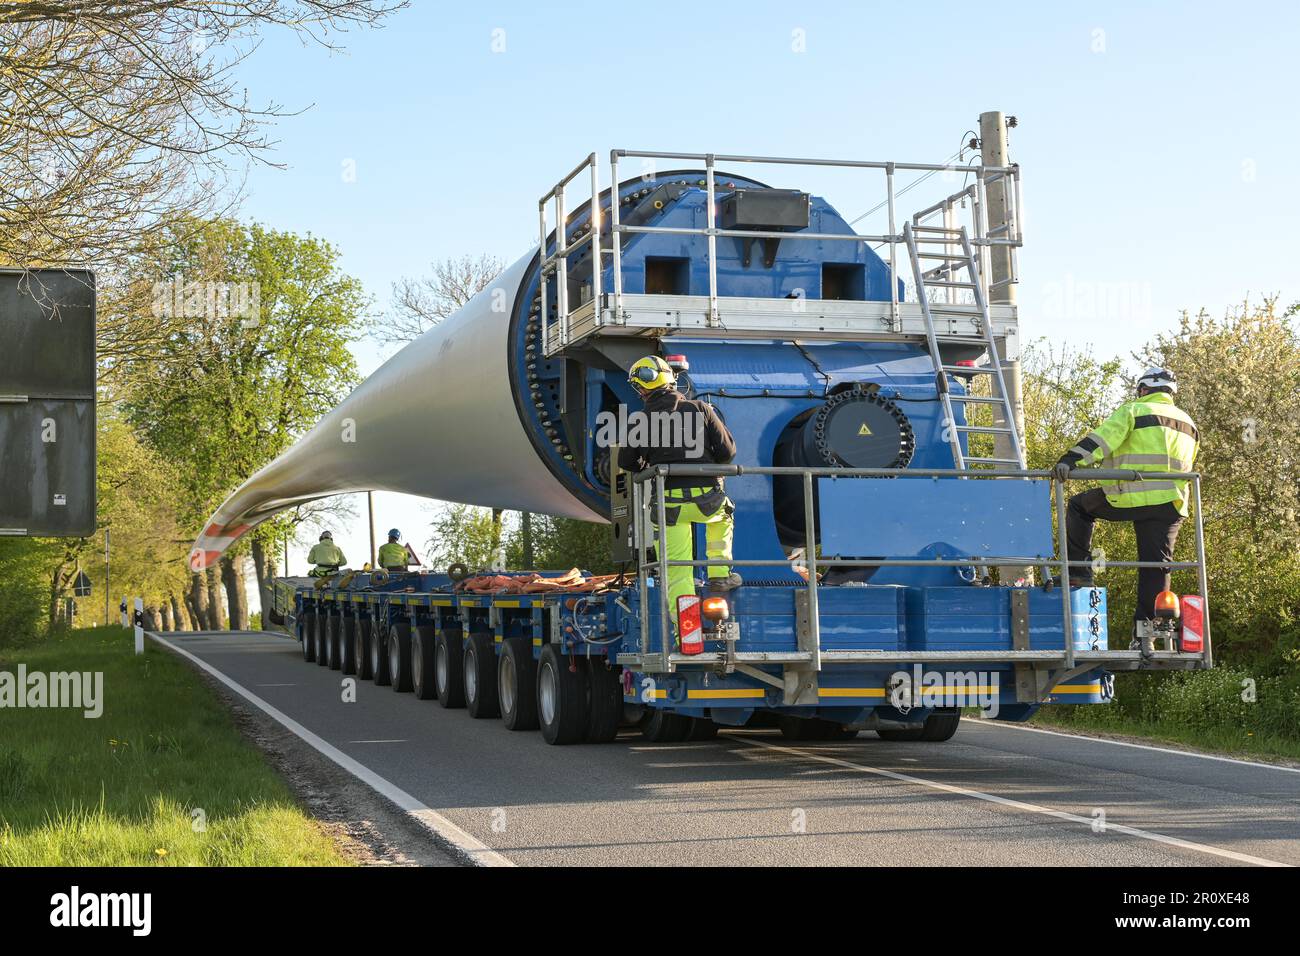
1227,710
161,777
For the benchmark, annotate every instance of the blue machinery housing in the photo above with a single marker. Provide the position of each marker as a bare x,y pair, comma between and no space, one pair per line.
907,624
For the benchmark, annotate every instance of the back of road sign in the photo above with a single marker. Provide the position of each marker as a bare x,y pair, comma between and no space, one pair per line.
47,402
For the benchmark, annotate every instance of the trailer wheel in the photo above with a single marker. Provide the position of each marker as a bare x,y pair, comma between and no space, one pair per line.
517,684
399,656
422,682
481,676
449,667
604,700
664,727
362,649
309,636
379,652
322,639
334,636
348,644
561,698
941,724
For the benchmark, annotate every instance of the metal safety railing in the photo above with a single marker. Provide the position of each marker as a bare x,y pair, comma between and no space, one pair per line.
648,489
556,335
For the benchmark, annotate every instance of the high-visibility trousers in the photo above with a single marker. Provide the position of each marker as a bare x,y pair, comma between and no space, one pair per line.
683,509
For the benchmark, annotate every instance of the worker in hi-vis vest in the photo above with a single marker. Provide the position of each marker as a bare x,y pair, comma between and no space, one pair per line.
325,556
688,501
1150,433
393,556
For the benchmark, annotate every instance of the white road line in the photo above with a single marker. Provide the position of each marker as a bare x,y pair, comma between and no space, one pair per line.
471,847
1005,725
1015,804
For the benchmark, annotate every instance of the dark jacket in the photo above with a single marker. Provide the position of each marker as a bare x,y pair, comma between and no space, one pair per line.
717,446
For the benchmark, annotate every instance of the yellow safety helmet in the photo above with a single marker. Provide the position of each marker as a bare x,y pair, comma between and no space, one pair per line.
651,373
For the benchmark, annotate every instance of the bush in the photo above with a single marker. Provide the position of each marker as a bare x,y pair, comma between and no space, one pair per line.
1202,700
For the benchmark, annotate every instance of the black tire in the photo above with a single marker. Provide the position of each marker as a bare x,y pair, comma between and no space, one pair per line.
362,650
379,652
309,636
517,684
813,728
322,639
334,640
480,675
664,727
449,667
274,617
941,724
348,645
561,698
702,729
399,657
604,700
422,682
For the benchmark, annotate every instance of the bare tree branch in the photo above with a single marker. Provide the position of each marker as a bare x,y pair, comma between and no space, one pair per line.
420,304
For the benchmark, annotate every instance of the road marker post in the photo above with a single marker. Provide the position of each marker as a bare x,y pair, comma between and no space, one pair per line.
139,626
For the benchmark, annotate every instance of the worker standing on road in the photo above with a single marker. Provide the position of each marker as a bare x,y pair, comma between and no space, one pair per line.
688,501
326,556
393,556
1149,433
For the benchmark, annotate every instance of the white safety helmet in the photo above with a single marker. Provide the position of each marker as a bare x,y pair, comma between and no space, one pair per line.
1156,377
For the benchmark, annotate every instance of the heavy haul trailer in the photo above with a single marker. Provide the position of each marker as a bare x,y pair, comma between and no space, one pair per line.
867,603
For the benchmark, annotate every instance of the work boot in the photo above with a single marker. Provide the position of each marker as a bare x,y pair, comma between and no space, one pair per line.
729,583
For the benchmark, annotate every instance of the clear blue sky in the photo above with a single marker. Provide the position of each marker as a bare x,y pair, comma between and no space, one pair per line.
1155,138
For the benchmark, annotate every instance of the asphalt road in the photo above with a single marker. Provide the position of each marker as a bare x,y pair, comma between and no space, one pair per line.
994,795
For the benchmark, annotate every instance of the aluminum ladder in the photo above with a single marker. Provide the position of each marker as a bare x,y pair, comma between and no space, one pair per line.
951,247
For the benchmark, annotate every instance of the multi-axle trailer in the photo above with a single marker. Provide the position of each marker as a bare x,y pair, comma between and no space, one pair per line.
899,558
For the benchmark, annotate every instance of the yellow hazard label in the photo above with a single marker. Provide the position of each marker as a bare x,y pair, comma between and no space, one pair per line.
864,430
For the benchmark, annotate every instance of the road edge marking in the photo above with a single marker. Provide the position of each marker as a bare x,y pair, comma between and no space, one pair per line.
1016,804
464,844
1006,725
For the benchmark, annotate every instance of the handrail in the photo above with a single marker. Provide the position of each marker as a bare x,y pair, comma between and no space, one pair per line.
657,474
557,335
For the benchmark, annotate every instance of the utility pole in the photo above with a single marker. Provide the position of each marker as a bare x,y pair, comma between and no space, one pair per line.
286,554
370,507
993,152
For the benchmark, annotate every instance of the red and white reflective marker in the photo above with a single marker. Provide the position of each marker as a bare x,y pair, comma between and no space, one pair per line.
689,624
139,628
1193,639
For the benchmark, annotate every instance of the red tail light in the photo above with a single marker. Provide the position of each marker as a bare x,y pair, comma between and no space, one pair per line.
1193,637
689,625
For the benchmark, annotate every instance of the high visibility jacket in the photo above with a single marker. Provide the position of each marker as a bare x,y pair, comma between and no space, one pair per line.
1150,433
326,554
392,555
